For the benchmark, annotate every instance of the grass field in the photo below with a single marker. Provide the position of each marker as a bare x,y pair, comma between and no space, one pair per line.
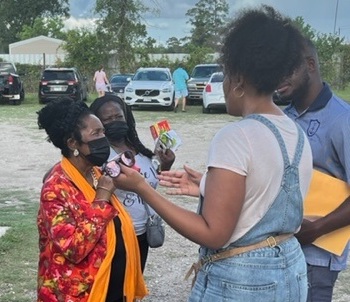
18,247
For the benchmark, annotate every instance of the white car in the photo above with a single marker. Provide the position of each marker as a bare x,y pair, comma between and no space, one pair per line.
151,86
213,93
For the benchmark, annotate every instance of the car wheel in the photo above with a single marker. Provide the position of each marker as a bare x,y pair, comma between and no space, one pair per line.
41,100
205,110
190,101
14,102
172,105
21,96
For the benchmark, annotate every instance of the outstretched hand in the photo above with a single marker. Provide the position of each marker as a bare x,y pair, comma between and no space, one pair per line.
184,182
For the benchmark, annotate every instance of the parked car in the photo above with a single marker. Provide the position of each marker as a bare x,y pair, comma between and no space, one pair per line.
199,78
11,84
213,93
58,82
151,86
118,83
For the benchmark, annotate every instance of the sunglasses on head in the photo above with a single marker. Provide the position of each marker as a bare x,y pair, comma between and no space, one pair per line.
112,167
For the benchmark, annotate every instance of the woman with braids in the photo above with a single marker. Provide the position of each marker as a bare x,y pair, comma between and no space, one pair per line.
87,244
258,171
120,129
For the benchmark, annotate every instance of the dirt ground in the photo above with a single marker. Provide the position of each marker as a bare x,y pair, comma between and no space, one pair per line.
26,156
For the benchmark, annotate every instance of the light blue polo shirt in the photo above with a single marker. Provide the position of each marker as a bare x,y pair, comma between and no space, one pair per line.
327,126
180,76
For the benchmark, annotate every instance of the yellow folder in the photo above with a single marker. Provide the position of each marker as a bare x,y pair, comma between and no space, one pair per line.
325,194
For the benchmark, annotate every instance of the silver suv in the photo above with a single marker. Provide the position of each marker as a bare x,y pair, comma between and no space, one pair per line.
150,86
199,78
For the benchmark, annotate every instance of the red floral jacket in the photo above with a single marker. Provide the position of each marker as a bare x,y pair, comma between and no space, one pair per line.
72,240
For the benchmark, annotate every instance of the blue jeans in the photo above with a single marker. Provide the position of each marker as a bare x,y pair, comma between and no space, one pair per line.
321,282
267,274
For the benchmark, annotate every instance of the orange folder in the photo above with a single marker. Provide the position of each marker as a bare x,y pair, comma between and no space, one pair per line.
326,193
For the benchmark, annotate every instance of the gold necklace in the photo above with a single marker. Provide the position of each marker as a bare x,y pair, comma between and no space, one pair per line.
94,179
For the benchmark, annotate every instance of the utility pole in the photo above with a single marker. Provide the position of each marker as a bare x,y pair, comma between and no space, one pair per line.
335,17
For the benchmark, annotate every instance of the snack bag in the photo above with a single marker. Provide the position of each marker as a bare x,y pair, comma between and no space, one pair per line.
164,137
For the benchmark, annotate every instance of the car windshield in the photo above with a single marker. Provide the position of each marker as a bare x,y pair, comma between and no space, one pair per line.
120,79
50,75
7,67
204,71
217,77
151,75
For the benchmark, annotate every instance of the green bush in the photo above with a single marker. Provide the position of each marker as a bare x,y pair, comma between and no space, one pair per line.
31,77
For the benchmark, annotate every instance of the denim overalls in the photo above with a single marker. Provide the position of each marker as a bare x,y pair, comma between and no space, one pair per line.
265,274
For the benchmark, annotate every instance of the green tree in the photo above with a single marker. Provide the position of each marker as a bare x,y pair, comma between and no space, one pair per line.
121,28
50,27
345,80
208,19
305,28
17,13
331,58
198,55
85,51
174,45
331,52
145,47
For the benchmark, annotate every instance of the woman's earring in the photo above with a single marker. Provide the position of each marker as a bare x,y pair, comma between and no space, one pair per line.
76,152
238,89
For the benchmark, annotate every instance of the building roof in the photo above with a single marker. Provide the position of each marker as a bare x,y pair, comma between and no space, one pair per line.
35,39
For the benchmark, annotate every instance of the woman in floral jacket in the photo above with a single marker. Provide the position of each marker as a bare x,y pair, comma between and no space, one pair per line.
88,248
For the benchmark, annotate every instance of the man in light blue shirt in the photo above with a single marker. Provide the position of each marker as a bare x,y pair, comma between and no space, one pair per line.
180,77
326,120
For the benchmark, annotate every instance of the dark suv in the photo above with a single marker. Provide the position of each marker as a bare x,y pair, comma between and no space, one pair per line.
58,82
11,85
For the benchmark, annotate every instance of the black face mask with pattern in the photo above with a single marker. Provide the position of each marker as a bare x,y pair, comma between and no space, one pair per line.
99,151
116,130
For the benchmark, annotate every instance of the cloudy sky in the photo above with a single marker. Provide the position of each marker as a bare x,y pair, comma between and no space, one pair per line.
325,16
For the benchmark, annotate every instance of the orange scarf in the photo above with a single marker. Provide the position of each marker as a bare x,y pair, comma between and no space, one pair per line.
134,284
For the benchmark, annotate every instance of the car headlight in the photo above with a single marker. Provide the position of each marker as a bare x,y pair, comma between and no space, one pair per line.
166,90
129,89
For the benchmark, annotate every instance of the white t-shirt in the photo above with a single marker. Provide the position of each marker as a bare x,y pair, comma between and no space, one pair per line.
250,148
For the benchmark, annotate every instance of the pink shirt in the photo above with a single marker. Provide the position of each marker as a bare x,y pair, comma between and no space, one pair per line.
100,77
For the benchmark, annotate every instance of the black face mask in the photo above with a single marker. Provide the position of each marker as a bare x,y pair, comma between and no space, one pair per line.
116,130
99,151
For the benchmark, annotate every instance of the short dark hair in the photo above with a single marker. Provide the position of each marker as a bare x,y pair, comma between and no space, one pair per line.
309,48
62,119
262,46
132,138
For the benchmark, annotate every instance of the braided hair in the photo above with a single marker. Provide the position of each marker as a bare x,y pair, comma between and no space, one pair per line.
132,138
63,119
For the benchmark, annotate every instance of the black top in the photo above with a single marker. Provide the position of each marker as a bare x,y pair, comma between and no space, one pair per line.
116,280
